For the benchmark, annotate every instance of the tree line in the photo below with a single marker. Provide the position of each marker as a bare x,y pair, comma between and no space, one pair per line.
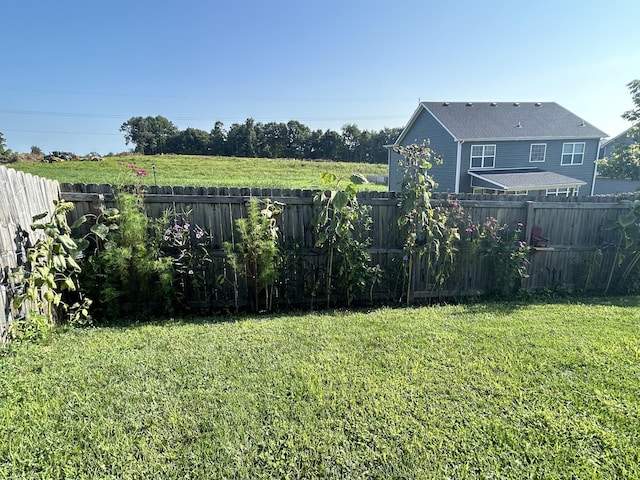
293,139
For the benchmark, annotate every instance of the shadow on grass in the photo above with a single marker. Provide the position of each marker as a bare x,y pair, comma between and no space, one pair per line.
498,306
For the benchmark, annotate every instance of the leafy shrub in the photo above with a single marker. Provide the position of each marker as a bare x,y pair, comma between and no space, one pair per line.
343,226
256,255
506,253
51,271
129,269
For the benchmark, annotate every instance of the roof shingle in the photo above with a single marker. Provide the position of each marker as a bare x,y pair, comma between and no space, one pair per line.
510,121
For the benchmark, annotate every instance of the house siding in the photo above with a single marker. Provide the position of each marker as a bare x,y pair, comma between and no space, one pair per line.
607,148
515,154
426,127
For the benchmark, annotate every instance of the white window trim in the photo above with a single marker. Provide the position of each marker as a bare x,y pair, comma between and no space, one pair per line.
563,192
544,153
482,157
573,153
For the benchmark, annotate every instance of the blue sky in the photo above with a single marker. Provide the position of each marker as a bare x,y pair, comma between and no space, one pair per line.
74,71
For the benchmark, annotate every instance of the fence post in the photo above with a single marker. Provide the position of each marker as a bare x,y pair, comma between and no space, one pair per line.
528,220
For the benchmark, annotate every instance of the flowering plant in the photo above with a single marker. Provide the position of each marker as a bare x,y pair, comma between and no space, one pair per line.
506,252
137,174
186,245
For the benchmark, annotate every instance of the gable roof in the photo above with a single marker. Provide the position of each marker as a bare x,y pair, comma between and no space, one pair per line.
484,121
620,136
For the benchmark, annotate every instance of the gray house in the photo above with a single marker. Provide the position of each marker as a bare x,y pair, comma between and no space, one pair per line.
503,148
623,138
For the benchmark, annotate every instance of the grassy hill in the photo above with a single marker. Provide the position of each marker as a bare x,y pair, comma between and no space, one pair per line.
201,171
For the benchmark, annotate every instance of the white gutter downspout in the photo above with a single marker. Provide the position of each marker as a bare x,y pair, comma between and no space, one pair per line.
458,166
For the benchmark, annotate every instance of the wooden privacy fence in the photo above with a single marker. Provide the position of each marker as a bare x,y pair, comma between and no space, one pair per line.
577,255
22,196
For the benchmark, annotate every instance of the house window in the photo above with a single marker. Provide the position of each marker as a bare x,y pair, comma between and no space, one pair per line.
562,192
572,153
538,152
483,156
517,192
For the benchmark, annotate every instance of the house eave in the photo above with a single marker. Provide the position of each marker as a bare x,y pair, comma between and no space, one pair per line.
485,176
527,139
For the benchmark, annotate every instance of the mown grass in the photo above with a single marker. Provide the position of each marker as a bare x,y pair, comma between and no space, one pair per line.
478,391
199,171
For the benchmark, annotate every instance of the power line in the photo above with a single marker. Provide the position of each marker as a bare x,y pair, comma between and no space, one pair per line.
61,133
183,117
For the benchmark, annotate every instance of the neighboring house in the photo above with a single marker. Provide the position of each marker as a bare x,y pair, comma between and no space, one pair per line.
613,186
607,147
503,148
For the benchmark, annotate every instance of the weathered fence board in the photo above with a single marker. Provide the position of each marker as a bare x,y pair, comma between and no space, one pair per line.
22,196
571,224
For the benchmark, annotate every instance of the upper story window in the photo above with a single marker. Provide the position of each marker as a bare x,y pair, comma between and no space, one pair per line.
538,152
572,153
483,156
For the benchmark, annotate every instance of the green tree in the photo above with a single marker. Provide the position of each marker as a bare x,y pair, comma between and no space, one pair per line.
242,139
624,161
148,134
298,136
218,139
35,150
6,155
191,141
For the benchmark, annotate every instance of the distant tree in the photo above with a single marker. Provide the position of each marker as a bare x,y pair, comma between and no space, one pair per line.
35,150
6,155
191,141
153,135
351,137
148,134
242,139
218,139
624,161
633,115
330,145
298,136
3,144
272,139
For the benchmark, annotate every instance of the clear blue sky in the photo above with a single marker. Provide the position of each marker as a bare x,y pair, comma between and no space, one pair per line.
73,71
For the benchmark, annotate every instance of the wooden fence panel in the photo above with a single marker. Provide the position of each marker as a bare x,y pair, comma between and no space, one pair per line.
577,242
22,196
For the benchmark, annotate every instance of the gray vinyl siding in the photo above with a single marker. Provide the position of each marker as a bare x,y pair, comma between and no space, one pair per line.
607,148
515,154
441,143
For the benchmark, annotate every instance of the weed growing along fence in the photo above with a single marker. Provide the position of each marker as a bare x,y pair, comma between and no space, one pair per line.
579,256
22,196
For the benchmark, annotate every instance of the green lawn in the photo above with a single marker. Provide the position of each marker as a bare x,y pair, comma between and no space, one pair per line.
478,391
199,171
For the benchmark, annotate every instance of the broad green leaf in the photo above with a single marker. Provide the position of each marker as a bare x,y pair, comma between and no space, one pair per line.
71,263
68,242
340,200
68,284
100,230
40,216
79,221
328,178
59,262
358,179
82,244
626,219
